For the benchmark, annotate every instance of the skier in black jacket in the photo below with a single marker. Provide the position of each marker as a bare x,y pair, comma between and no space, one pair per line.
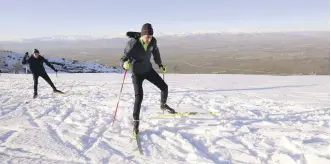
138,52
36,62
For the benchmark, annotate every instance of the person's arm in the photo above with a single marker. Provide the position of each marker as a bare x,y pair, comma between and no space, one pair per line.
49,64
128,53
156,55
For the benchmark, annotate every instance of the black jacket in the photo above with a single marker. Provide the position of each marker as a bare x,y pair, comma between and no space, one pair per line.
36,64
140,58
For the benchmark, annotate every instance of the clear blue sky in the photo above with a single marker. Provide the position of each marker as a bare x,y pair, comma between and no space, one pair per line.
40,18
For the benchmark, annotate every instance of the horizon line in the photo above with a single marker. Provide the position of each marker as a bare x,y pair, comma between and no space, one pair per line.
159,34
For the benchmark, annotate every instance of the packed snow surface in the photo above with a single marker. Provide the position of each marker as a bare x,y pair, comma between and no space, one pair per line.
263,119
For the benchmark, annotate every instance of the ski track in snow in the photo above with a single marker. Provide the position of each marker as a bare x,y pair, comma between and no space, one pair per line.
264,119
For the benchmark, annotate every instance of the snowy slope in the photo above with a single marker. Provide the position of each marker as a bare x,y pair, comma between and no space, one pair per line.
8,59
264,119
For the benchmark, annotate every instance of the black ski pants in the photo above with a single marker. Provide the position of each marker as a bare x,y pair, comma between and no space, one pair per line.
153,77
45,77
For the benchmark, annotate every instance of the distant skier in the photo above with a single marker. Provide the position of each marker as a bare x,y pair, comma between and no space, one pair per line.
36,62
138,52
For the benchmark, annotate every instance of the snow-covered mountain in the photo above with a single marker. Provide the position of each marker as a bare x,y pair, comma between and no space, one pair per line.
11,62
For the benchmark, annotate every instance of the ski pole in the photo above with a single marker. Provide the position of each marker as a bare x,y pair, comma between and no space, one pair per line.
163,80
118,100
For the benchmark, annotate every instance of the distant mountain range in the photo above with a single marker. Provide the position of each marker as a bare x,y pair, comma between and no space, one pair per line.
168,43
165,35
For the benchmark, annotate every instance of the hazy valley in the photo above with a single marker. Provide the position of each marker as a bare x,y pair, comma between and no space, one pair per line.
281,53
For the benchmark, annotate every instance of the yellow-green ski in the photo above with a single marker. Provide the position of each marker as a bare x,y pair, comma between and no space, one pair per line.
137,138
186,114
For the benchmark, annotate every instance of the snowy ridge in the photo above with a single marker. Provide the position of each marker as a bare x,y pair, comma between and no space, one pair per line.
73,38
9,61
264,120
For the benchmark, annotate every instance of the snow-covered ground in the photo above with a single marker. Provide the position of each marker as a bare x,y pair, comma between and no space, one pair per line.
264,119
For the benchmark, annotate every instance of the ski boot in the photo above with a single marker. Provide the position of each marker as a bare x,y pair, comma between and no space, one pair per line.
35,95
165,107
135,127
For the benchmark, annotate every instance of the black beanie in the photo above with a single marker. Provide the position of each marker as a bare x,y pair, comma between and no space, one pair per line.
35,51
147,29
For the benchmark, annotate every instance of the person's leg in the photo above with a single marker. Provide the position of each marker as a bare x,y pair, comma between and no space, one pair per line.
153,77
35,86
48,80
138,93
